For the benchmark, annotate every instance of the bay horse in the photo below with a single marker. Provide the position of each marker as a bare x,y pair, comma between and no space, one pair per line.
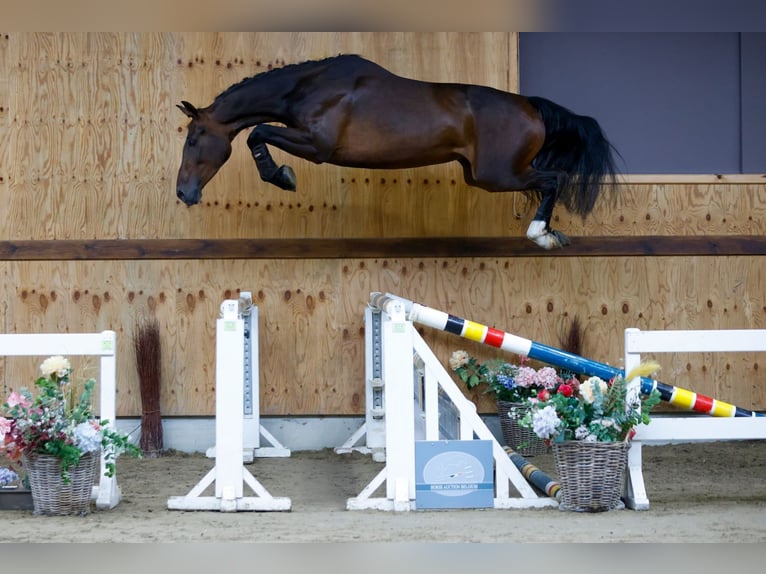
348,111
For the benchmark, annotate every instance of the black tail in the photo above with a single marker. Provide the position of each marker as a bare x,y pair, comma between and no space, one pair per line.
576,146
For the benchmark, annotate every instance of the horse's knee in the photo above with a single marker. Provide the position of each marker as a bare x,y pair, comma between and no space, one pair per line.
254,138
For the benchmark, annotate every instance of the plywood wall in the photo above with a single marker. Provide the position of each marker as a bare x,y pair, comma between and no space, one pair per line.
311,316
90,141
92,125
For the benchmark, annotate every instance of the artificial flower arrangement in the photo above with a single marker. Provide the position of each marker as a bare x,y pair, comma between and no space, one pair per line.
507,381
592,411
58,422
7,477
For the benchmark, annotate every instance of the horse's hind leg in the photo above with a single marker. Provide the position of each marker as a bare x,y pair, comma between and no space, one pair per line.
539,230
544,183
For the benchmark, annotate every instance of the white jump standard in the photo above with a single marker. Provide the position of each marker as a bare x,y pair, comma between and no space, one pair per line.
253,430
229,472
400,345
679,429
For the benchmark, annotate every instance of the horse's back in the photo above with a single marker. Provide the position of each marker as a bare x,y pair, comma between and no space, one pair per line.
373,117
374,85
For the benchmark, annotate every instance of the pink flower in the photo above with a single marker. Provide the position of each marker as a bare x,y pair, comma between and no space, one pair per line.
547,378
544,395
5,427
17,399
526,377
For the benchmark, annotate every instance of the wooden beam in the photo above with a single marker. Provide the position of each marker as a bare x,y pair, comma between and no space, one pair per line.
691,178
366,248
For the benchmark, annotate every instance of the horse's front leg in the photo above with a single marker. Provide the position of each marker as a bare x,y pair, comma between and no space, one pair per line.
539,229
281,176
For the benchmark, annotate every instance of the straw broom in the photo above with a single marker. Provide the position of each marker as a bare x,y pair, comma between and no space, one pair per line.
571,339
146,342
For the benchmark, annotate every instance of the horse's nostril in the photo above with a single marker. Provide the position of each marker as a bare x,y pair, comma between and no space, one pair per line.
180,194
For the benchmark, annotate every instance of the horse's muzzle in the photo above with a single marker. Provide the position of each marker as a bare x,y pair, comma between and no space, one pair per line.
189,196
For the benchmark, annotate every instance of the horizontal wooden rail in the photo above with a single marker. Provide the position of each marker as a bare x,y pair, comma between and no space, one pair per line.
348,248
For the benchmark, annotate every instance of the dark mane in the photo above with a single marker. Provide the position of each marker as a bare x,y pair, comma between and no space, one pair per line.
276,71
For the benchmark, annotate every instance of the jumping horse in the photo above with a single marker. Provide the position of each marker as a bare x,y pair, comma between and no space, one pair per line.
351,112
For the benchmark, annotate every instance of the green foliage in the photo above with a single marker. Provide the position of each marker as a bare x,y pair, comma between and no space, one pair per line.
598,411
59,421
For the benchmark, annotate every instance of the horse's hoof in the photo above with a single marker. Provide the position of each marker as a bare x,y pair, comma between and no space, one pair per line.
285,178
545,237
561,238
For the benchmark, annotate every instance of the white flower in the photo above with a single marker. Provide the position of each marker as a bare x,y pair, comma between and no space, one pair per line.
458,359
633,398
581,432
87,437
545,422
607,423
7,476
57,365
587,389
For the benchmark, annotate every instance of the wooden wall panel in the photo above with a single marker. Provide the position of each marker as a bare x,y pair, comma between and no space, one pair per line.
311,316
90,141
92,116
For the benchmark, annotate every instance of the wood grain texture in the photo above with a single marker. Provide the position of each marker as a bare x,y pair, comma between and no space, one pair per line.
127,249
311,316
92,236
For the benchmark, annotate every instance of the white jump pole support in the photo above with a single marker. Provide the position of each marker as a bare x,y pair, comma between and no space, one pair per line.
229,472
373,429
680,429
103,345
253,430
400,343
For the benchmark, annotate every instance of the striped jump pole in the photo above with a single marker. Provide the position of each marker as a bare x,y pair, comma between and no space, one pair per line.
534,475
678,397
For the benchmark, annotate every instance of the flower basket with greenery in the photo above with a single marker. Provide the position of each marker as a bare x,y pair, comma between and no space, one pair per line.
589,429
596,411
506,381
512,386
58,421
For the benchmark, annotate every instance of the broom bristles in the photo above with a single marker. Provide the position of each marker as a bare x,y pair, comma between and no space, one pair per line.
572,339
146,342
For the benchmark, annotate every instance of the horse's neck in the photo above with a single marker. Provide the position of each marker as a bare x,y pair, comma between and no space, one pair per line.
252,102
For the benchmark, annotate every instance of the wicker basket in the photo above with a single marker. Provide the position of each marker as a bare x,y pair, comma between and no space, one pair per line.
591,474
520,439
49,493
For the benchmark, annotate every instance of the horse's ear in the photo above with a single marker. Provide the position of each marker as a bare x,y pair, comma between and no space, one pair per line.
188,109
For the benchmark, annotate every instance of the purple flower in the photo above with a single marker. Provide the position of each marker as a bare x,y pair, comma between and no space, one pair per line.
7,476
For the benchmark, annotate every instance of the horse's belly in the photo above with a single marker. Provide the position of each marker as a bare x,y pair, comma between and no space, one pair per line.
396,144
382,151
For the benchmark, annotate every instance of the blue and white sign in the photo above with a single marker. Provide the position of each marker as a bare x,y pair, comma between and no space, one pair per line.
454,474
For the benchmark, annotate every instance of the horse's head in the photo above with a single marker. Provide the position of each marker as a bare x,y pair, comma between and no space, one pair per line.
206,149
